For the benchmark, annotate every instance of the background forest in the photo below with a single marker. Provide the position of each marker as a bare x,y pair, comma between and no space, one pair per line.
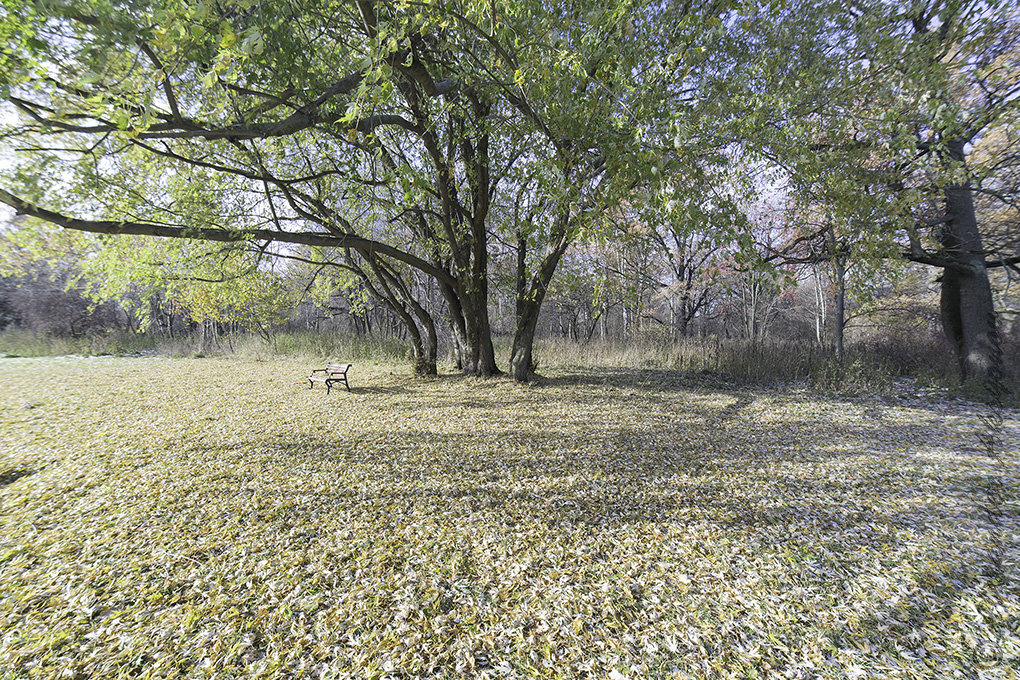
632,300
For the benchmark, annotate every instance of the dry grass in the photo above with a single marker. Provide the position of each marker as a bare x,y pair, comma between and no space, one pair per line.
215,518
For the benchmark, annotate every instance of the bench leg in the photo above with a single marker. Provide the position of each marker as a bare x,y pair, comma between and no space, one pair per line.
346,384
311,384
328,385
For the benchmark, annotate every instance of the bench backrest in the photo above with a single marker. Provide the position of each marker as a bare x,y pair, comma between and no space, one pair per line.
332,367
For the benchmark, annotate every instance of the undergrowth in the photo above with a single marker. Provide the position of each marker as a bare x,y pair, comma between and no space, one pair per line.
867,367
17,342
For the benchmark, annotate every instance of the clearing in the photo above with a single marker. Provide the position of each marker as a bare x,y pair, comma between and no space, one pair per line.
216,518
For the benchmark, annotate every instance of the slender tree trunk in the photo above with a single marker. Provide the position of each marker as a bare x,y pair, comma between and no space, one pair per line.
425,363
521,275
840,272
458,350
418,351
431,349
391,289
820,307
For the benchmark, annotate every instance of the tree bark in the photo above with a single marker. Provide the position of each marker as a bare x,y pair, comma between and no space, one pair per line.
522,364
968,312
474,353
840,272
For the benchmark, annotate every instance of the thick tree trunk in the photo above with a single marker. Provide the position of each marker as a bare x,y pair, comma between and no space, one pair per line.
486,354
478,357
474,353
458,329
483,354
522,365
968,320
473,348
968,312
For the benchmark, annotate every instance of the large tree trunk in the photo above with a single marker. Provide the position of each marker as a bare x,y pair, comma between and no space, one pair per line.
474,353
478,357
968,313
485,353
522,365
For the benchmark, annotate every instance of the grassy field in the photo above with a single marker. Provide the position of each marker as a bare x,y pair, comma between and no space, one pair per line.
214,518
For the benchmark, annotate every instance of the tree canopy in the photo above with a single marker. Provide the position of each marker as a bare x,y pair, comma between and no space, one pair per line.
397,136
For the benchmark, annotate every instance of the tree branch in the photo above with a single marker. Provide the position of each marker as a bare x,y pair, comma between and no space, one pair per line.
128,227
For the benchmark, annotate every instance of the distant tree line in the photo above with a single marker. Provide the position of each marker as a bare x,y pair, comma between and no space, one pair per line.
648,283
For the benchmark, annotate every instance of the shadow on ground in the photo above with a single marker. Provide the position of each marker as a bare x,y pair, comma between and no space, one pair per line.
11,476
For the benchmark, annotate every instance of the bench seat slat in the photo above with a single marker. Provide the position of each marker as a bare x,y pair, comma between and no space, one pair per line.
333,373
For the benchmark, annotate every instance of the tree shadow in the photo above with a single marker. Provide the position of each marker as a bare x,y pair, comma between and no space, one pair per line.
733,410
633,378
563,481
863,476
13,475
646,380
377,389
813,514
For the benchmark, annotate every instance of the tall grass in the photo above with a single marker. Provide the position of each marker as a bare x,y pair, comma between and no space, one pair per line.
26,343
302,344
312,345
867,367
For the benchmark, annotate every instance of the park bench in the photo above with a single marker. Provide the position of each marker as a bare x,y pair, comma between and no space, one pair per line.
333,373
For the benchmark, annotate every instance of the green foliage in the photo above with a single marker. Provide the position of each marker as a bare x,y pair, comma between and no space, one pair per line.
331,281
875,108
442,135
143,96
35,242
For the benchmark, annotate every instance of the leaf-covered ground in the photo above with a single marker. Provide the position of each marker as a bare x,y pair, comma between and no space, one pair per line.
215,518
